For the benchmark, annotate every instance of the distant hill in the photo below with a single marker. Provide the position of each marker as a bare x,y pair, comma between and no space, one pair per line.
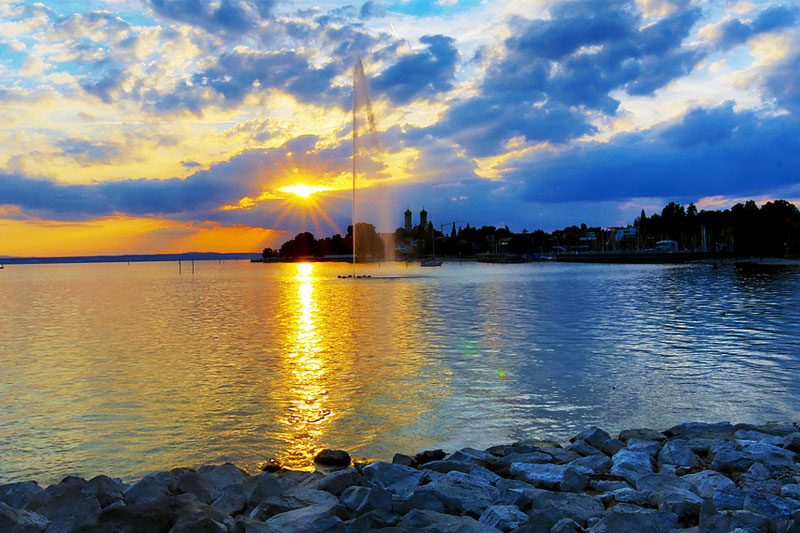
188,256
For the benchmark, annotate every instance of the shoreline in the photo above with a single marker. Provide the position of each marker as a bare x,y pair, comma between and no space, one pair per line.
691,477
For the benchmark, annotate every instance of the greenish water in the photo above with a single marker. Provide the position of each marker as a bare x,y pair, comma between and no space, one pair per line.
126,369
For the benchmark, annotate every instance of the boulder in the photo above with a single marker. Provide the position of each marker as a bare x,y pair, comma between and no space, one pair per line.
67,507
309,519
773,507
193,483
631,465
566,525
583,448
503,517
429,455
691,430
291,500
150,488
612,446
644,434
377,519
404,460
455,493
752,435
395,478
791,491
657,482
684,503
708,482
198,525
579,507
573,480
434,521
729,460
333,458
21,495
677,452
770,428
21,521
545,476
361,500
650,447
151,517
792,442
594,437
448,465
221,476
335,482
261,487
560,455
627,518
595,464
773,457
107,490
626,495
231,500
245,524
728,521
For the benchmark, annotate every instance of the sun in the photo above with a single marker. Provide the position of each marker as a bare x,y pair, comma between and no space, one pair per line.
304,191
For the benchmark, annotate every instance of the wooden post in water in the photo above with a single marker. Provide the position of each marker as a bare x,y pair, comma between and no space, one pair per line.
179,266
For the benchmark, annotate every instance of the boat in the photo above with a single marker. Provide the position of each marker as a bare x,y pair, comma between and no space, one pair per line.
431,263
770,264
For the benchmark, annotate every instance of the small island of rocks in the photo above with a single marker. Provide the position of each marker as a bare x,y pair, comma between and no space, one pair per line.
693,477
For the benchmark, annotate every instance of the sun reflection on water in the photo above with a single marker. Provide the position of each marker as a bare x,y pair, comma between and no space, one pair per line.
308,412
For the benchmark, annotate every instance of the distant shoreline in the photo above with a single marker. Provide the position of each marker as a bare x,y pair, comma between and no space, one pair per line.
132,258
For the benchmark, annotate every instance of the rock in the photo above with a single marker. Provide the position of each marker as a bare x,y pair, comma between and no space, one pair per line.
770,428
583,448
404,460
261,487
773,457
644,434
193,483
560,455
21,495
701,446
627,495
657,482
676,452
150,488
221,476
729,460
471,455
631,465
579,507
434,521
231,501
291,479
603,485
395,478
684,503
546,476
291,500
198,525
152,517
612,446
594,437
757,472
573,481
371,521
365,499
566,525
773,507
650,447
335,482
791,491
628,519
792,442
105,489
503,517
429,455
448,465
691,430
22,521
245,524
272,465
708,482
455,493
308,520
728,521
333,458
596,464
751,435
67,507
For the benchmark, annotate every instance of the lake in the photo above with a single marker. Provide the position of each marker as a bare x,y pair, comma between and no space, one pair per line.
128,369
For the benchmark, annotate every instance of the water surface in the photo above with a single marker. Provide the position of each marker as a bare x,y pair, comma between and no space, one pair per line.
126,369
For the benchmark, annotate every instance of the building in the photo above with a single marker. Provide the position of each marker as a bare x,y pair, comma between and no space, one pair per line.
423,218
407,220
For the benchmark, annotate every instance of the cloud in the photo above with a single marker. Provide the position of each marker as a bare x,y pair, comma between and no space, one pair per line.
734,31
782,83
422,74
88,152
223,17
710,151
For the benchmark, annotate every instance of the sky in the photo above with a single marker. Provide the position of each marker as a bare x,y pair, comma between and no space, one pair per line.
154,126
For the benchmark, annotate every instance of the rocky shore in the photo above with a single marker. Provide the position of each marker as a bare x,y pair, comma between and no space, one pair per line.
691,477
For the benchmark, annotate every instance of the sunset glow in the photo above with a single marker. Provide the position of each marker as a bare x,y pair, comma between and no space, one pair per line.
303,191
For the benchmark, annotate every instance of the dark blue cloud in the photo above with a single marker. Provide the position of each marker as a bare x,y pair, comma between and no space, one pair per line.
773,18
90,152
371,9
421,74
783,85
225,17
715,151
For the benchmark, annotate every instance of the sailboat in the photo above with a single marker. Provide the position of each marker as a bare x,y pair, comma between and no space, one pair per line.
432,262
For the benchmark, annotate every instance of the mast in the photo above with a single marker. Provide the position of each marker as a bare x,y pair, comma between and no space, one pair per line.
355,134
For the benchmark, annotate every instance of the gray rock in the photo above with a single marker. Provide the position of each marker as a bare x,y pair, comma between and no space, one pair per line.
583,448
404,460
440,522
221,476
308,520
594,437
751,435
245,524
612,446
335,482
676,452
626,518
67,507
657,482
107,490
792,442
579,507
21,495
596,464
22,521
152,517
448,465
770,428
627,495
429,455
231,501
291,500
150,488
650,447
365,499
201,524
772,456
546,476
573,481
261,487
395,478
559,454
773,507
471,455
333,458
566,525
728,521
730,460
193,483
603,485
644,434
458,493
503,517
684,503
729,499
708,482
290,479
757,472
791,491
691,430
377,519
700,445
631,465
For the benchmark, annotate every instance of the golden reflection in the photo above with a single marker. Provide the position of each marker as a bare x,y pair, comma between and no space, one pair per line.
307,414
